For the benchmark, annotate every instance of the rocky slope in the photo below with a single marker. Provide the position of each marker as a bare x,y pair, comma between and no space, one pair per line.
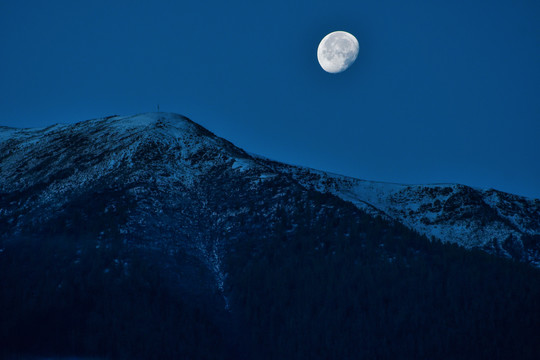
165,164
500,223
157,182
149,237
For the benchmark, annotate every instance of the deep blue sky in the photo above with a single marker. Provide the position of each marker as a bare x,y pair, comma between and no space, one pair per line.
442,91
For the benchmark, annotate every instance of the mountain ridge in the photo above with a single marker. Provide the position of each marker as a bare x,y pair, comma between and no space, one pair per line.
497,222
150,237
441,211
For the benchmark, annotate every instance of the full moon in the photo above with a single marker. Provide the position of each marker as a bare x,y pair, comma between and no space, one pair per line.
337,51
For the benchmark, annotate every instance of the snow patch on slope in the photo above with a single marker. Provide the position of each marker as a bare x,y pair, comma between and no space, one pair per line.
454,213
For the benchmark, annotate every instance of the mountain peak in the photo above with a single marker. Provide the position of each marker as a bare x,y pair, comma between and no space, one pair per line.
162,124
155,125
92,149
171,152
152,211
151,119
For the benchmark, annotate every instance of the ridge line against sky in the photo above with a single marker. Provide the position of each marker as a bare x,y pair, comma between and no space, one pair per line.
440,92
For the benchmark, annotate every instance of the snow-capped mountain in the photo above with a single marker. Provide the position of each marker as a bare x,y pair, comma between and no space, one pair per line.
149,237
160,172
130,177
154,181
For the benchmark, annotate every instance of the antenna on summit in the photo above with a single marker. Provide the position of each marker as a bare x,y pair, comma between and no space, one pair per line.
157,107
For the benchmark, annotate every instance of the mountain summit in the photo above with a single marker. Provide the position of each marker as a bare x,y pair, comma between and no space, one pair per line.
164,159
148,236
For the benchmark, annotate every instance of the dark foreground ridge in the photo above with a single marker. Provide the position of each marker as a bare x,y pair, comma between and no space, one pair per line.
150,237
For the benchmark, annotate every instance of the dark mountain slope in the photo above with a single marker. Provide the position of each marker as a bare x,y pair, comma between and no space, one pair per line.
150,237
499,223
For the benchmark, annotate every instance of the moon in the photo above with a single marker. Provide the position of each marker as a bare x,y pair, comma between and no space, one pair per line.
337,51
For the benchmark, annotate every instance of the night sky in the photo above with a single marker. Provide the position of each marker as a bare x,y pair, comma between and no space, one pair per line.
442,91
